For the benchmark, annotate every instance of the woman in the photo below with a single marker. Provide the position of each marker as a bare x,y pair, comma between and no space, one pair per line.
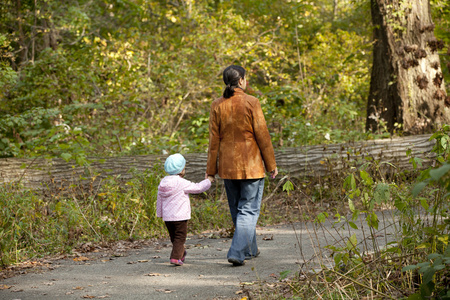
239,148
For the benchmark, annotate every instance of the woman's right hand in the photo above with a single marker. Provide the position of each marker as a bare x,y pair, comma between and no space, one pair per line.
274,173
210,177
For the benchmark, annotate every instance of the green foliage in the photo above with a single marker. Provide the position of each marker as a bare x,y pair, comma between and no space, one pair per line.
433,237
32,225
288,187
138,77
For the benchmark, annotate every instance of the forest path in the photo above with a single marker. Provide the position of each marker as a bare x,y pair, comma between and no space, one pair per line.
145,273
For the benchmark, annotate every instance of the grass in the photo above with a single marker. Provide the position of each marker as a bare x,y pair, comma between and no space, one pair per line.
34,225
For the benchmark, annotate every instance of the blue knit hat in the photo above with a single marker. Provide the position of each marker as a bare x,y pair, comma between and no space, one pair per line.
174,164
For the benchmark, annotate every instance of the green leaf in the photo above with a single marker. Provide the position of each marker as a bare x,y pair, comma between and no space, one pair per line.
366,178
372,220
415,297
351,243
424,204
66,156
434,256
284,274
426,288
288,187
351,205
436,174
352,225
409,268
350,183
382,193
418,188
321,217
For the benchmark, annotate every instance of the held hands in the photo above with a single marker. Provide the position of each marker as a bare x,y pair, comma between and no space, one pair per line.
210,177
274,173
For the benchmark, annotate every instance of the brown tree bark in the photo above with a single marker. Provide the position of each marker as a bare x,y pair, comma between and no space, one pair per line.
407,87
389,155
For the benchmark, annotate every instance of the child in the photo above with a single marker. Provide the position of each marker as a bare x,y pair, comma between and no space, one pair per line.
173,204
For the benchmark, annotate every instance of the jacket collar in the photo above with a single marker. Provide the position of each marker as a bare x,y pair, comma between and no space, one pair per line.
238,90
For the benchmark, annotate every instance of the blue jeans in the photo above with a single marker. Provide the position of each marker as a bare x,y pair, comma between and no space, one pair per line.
244,199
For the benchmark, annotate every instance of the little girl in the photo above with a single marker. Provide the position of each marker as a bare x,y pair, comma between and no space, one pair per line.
173,204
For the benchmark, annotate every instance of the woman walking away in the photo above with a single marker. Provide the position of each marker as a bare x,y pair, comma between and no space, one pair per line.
239,149
173,205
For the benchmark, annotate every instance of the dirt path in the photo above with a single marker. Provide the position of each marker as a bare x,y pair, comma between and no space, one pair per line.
146,273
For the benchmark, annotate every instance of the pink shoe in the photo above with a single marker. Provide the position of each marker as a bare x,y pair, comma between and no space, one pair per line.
176,262
184,256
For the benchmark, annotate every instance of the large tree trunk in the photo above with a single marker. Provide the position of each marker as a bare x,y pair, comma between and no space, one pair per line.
388,156
407,87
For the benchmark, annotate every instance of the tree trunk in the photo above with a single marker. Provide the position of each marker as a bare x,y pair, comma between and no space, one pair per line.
388,155
407,88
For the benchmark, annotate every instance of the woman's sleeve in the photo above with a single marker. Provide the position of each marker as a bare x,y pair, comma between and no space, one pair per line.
197,188
214,140
263,138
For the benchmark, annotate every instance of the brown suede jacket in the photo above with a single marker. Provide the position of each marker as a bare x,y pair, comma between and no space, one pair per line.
239,141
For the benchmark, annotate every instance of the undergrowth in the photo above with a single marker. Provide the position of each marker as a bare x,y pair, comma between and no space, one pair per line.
402,250
34,224
403,218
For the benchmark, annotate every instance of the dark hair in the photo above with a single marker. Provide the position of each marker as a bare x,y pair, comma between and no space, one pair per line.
231,76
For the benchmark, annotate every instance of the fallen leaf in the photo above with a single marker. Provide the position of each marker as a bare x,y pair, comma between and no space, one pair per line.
69,293
131,262
88,297
167,291
268,238
5,287
143,260
152,274
81,258
102,297
78,288
239,292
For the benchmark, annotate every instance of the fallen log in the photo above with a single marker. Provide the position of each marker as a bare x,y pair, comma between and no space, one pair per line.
390,155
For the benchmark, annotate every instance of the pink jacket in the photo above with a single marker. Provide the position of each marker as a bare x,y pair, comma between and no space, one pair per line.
173,203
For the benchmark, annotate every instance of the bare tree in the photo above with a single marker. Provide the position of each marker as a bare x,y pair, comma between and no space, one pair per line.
407,88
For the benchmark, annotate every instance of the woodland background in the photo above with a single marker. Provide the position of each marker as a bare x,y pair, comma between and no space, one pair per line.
106,78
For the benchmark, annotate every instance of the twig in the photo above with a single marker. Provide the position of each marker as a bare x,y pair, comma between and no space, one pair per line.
79,208
275,189
134,225
361,284
24,172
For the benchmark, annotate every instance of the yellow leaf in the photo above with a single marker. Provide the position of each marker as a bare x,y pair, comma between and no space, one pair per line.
5,287
81,258
423,246
443,239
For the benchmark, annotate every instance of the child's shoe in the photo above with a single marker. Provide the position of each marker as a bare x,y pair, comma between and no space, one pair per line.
176,262
184,256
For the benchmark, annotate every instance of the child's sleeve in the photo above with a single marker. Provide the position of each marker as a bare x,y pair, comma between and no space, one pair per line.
158,206
197,188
